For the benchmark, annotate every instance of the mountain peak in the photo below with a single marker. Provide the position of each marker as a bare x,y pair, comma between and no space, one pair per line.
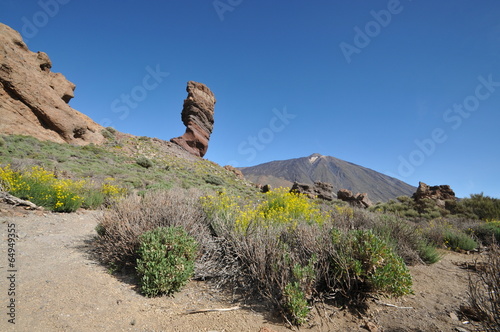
341,174
312,158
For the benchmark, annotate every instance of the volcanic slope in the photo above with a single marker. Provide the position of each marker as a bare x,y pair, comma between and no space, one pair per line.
340,173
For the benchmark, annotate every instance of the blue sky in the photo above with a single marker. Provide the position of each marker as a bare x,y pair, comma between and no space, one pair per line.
407,88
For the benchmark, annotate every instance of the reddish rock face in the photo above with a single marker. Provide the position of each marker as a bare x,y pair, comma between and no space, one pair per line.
34,100
198,117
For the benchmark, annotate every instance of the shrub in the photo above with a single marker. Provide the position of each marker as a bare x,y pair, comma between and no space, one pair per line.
144,162
405,238
368,264
212,179
290,251
2,142
484,207
458,240
60,195
111,130
278,207
296,303
126,220
429,253
276,261
108,133
487,232
166,260
42,188
484,291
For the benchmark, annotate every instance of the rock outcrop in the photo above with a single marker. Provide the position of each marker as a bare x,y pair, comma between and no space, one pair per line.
236,171
34,100
440,194
358,200
198,117
319,190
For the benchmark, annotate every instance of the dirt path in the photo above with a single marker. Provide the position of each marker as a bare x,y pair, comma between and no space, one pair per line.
59,288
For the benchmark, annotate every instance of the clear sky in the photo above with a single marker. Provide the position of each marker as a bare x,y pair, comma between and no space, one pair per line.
407,88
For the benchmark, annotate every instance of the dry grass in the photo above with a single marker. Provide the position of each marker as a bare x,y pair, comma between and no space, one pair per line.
484,291
121,225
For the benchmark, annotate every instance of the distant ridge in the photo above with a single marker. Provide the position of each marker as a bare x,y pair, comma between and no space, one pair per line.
340,173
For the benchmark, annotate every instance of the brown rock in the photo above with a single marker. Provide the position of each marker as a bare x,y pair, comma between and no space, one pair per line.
371,327
34,100
236,171
266,188
439,194
358,200
198,117
319,190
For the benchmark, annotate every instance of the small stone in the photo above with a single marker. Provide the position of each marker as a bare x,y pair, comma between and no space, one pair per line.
453,316
371,327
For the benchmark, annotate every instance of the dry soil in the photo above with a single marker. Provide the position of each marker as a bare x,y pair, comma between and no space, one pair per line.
59,287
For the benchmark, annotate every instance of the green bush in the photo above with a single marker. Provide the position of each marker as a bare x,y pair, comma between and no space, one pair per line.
368,264
429,253
166,260
107,134
296,303
212,179
484,207
406,238
2,141
144,162
458,240
487,232
111,130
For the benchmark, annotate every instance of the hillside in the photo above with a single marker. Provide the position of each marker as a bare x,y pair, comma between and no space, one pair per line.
340,173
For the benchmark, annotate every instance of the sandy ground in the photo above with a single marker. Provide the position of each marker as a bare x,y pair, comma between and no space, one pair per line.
58,287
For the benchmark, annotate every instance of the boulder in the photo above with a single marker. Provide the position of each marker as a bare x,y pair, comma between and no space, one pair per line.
319,190
358,200
266,188
34,100
198,117
440,194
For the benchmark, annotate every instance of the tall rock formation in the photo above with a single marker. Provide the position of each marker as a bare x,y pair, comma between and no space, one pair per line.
34,100
198,117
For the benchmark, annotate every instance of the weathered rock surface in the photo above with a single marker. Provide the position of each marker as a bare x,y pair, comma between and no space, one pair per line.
358,200
198,117
236,171
34,100
439,194
319,190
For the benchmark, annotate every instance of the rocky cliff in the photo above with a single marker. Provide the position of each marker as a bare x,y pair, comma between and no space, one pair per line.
34,100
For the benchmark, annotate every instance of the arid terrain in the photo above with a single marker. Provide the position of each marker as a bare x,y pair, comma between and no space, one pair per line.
59,287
